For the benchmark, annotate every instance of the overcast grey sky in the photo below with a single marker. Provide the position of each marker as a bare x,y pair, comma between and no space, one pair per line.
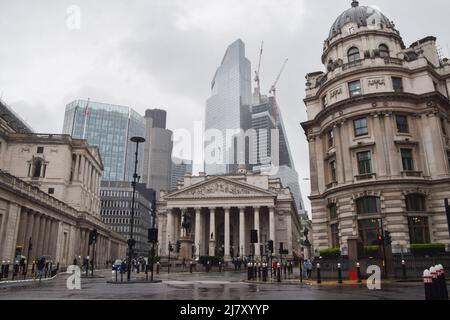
163,53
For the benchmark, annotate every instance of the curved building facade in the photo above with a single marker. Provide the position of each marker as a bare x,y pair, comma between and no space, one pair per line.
379,136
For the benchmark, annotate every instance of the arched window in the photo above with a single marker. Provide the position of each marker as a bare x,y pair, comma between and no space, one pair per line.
415,203
368,205
353,54
37,168
384,51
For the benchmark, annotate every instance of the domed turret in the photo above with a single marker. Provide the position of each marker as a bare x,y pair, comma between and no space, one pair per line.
363,16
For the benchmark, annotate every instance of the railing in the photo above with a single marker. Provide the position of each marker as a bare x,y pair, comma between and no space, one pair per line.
391,60
417,174
14,183
352,64
367,176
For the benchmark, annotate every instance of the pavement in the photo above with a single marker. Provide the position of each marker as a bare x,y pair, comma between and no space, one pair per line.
207,286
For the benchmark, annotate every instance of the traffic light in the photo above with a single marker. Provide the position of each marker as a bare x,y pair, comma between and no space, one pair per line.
270,246
93,236
178,246
380,239
253,236
153,235
281,250
170,247
387,237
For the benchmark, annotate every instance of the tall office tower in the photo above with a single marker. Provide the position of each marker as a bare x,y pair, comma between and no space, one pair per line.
110,127
157,152
265,117
180,167
228,107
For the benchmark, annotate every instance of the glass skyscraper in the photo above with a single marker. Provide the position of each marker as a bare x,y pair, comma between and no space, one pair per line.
228,106
110,127
266,116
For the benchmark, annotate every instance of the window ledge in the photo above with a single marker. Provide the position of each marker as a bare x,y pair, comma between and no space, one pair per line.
331,185
369,176
417,174
362,144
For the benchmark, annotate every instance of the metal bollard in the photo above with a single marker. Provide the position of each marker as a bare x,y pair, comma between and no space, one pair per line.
440,283
220,267
339,273
428,284
358,271
2,270
116,274
157,267
319,280
435,289
404,269
278,272
249,271
190,267
259,271
264,272
6,272
444,281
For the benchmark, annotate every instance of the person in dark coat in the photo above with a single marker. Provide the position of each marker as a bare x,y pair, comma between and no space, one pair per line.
41,268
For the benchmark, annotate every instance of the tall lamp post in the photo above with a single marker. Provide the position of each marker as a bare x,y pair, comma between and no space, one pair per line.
131,241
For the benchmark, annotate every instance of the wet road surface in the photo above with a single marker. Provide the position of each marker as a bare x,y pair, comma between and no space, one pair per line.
207,286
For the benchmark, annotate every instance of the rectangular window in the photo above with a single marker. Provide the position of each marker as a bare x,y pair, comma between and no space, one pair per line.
368,231
419,231
397,84
355,88
40,150
51,190
330,139
361,128
364,163
407,159
335,235
333,211
333,171
402,123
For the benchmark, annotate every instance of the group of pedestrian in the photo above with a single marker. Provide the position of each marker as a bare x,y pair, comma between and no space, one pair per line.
307,269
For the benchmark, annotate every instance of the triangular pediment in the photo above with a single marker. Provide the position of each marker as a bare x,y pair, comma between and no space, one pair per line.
220,187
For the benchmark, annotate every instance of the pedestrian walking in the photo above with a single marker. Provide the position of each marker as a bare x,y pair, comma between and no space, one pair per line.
41,268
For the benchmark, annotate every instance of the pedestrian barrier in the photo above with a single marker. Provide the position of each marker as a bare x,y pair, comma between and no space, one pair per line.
319,280
435,284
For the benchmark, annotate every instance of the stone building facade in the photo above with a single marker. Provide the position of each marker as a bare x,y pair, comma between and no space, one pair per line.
379,135
50,196
223,210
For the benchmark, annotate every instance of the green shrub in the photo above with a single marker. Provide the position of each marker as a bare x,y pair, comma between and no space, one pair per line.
427,248
422,246
371,248
330,253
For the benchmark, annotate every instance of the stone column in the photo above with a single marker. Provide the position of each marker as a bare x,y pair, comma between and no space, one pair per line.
272,224
29,232
212,231
77,166
170,231
46,236
227,234
197,239
35,237
257,248
21,236
242,231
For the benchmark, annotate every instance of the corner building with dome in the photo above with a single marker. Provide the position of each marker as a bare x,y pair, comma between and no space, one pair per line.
379,136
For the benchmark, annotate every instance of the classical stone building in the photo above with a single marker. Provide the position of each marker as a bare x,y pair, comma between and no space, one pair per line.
379,135
50,196
223,210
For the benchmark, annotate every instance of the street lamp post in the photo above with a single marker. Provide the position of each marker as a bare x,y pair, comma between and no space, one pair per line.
131,241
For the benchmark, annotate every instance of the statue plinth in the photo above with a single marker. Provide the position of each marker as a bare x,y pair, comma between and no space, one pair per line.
186,248
212,247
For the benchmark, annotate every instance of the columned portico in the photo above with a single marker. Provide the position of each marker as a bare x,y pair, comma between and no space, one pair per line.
222,211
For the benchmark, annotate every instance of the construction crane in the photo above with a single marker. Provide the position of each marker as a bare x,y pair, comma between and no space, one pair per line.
257,79
273,89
